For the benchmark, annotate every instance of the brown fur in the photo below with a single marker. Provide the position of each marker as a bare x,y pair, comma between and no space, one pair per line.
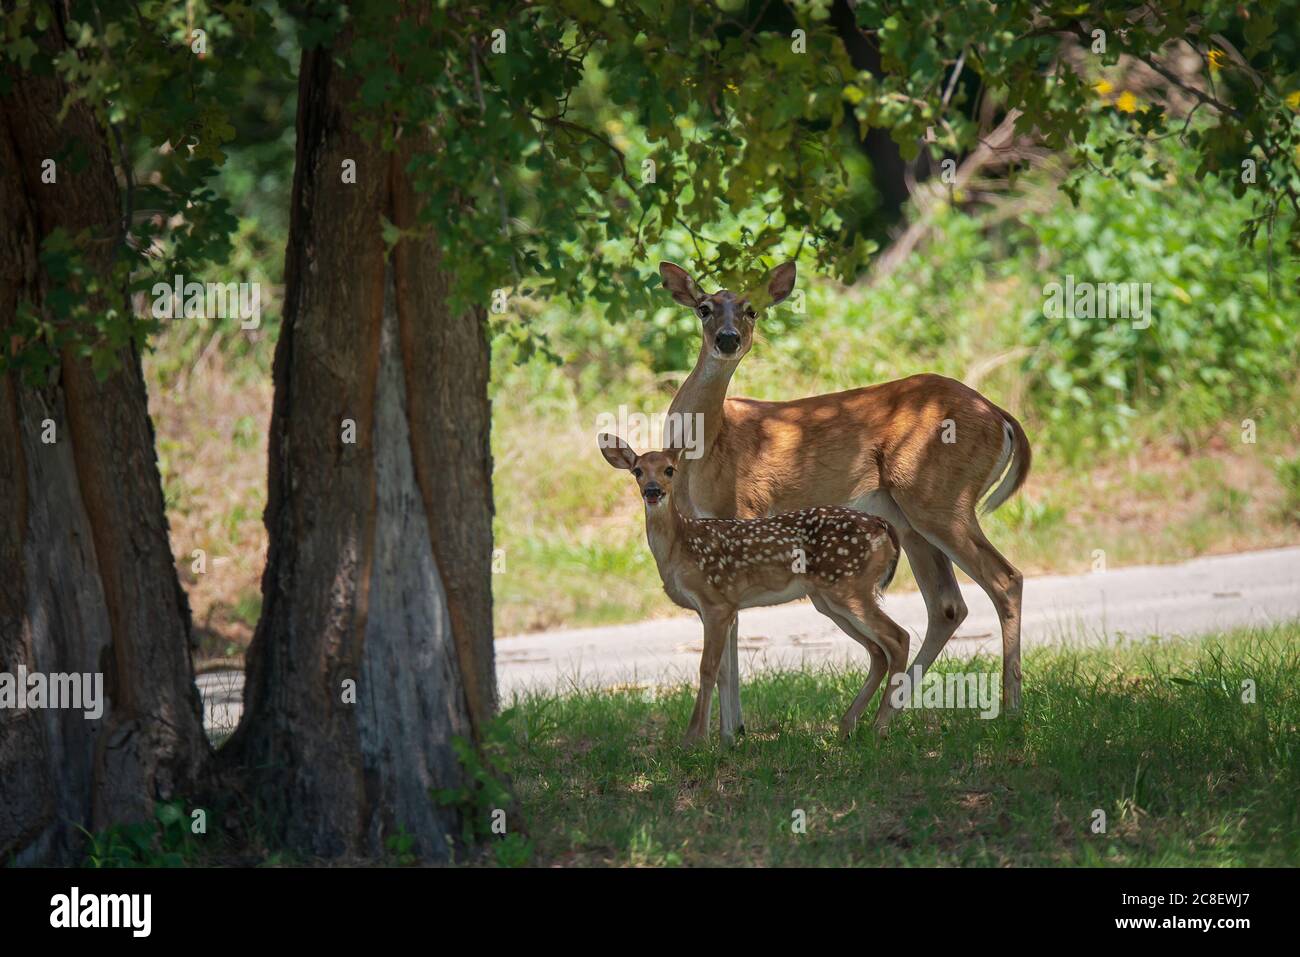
771,457
880,448
838,557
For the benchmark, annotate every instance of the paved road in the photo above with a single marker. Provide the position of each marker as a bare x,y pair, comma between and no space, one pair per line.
1196,597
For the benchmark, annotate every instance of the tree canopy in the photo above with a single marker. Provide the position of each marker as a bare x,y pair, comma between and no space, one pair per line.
569,140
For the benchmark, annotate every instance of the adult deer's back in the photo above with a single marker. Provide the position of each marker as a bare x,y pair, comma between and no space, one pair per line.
926,439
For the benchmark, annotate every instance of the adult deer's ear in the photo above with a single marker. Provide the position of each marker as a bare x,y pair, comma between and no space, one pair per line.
780,282
617,452
679,283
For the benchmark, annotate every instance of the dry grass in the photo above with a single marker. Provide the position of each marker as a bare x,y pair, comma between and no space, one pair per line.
212,432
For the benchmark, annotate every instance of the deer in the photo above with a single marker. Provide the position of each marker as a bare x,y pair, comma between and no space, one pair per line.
919,452
840,558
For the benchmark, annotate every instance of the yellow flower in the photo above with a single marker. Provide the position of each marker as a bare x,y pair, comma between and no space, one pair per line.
1293,100
1216,60
1103,87
1127,102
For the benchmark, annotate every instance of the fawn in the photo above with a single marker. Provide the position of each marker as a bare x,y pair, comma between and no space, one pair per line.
838,557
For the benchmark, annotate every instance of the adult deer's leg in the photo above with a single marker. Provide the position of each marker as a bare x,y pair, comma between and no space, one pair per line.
962,540
945,608
716,627
729,716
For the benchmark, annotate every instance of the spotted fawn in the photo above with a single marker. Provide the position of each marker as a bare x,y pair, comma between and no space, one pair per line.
838,557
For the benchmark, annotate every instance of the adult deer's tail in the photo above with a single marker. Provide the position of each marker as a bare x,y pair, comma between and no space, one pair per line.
1018,470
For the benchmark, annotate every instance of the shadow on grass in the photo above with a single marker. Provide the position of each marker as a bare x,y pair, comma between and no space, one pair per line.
1143,753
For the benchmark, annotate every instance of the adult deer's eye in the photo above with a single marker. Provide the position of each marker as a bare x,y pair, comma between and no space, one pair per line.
636,472
669,471
749,313
704,311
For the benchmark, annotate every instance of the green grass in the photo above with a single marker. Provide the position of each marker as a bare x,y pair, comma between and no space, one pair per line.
1154,733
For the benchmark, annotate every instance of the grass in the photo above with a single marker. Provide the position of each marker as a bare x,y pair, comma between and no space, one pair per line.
1155,734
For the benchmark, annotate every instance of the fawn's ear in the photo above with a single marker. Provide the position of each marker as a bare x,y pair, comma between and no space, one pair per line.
678,282
617,452
780,282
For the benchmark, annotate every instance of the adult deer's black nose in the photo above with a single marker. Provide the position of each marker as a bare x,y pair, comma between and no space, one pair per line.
728,342
653,493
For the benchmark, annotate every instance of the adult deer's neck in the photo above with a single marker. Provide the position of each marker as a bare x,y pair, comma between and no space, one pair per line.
704,392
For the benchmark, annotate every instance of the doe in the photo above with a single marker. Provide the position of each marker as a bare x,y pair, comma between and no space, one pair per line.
840,558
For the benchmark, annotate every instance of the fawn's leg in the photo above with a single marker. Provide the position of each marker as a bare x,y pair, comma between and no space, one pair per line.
729,718
878,661
878,669
716,628
889,636
932,569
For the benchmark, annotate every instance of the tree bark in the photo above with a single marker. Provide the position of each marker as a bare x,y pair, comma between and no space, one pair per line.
379,562
87,579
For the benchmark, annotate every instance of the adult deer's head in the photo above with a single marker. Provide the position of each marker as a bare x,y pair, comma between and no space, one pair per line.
727,317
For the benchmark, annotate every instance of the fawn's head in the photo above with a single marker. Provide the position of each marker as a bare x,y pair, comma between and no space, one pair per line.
653,471
728,318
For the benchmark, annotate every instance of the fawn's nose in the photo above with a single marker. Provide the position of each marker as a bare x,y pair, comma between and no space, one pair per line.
728,342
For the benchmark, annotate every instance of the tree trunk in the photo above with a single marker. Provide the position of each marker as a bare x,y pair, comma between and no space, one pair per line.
888,167
87,579
379,511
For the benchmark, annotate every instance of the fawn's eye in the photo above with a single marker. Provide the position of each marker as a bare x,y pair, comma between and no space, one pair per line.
749,313
636,472
669,471
704,310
